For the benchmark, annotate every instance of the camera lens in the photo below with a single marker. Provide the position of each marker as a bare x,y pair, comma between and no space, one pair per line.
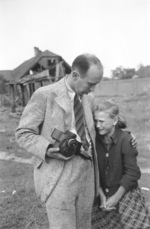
72,143
67,153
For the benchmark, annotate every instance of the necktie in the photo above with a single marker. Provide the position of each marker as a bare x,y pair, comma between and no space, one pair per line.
79,121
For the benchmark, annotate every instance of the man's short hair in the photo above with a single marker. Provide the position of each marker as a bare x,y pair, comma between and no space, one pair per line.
84,61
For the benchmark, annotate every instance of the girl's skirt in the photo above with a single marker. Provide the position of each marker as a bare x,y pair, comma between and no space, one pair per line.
131,213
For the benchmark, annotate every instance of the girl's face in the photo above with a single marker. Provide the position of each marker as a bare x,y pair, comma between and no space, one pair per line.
104,123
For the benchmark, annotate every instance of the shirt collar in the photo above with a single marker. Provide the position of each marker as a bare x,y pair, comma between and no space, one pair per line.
69,89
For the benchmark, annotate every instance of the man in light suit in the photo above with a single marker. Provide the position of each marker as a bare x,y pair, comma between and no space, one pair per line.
67,185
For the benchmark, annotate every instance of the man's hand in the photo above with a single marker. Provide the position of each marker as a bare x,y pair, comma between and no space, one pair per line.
133,141
53,153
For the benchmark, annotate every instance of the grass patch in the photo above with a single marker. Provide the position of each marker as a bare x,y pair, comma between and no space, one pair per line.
22,210
19,206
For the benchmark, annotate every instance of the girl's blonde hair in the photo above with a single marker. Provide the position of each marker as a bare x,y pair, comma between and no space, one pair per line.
112,109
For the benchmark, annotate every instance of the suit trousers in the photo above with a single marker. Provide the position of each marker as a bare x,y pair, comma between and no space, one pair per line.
70,204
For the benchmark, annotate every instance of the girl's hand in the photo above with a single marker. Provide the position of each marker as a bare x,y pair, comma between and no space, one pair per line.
103,199
114,199
112,202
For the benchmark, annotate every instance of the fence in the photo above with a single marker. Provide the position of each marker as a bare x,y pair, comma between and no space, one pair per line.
134,87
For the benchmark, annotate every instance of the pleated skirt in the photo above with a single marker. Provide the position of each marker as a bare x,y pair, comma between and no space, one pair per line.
131,213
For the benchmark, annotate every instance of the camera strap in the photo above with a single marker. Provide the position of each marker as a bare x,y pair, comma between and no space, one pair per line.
85,156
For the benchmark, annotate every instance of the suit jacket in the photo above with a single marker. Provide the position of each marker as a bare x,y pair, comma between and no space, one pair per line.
49,108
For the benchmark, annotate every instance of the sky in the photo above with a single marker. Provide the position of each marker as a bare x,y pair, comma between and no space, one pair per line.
116,31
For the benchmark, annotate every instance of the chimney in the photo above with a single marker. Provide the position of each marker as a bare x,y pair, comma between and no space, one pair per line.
36,51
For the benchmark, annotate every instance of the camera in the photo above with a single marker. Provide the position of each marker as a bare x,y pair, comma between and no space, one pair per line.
66,142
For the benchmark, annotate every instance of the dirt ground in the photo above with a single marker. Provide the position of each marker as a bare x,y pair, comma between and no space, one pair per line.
19,206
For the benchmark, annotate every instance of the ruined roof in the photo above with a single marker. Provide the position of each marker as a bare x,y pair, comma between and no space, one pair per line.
24,68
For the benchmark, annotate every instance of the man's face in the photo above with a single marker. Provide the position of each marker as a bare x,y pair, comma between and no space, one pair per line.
86,84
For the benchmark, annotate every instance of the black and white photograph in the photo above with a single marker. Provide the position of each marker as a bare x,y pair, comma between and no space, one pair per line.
75,114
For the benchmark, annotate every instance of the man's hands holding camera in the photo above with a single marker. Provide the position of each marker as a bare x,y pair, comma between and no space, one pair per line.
64,147
53,153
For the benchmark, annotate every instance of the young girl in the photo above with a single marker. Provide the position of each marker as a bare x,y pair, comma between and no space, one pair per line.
122,205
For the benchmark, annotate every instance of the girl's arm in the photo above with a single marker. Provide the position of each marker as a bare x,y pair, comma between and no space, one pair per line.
131,173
